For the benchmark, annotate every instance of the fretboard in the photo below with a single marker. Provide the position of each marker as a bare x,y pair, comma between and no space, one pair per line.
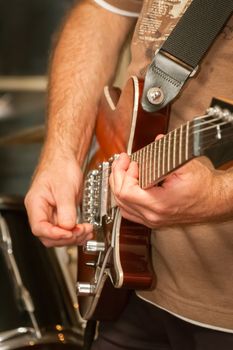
159,158
164,155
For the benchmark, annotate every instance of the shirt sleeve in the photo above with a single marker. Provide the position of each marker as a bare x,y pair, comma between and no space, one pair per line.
130,8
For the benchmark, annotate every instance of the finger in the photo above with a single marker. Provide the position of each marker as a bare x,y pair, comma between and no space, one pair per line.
148,218
58,243
39,215
120,166
131,216
159,136
83,241
129,209
79,237
83,229
66,208
133,171
129,185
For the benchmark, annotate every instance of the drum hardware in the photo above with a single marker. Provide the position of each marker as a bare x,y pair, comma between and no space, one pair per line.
67,258
35,304
21,290
14,333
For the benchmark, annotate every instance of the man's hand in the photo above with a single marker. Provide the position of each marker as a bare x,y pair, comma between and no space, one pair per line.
194,193
52,201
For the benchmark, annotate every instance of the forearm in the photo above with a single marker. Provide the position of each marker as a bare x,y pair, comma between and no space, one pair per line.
83,62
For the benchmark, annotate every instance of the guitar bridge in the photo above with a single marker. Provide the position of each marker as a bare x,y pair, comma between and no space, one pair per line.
97,198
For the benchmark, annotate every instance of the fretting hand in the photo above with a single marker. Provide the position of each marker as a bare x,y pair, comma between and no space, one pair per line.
192,194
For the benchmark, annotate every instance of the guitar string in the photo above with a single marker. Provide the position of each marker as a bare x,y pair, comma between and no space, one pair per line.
165,163
106,176
209,135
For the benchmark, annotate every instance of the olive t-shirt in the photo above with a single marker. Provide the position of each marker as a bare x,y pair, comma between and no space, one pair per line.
193,264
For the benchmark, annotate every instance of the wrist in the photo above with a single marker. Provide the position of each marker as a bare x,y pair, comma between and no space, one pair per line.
223,194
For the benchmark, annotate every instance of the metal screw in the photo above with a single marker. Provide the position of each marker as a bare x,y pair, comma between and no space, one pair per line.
155,95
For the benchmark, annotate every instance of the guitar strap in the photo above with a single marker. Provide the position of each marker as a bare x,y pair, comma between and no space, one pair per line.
179,56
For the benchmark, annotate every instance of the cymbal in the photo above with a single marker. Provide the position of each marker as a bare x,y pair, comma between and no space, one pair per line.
29,135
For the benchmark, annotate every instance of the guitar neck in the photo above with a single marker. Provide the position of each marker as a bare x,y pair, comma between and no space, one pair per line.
159,158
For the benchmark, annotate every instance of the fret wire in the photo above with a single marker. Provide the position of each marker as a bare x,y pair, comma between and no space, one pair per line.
163,158
150,163
174,148
183,137
169,152
140,167
143,166
187,142
146,166
180,144
158,163
147,155
155,160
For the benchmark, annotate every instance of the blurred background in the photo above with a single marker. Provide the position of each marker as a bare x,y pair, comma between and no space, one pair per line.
38,303
27,30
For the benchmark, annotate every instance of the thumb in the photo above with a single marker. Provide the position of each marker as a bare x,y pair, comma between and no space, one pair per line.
66,209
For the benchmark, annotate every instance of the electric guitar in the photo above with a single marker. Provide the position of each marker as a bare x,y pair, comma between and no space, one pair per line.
117,260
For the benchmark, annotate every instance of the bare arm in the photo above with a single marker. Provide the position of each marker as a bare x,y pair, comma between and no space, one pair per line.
83,62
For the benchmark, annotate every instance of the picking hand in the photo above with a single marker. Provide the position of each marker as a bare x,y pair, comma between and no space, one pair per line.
52,201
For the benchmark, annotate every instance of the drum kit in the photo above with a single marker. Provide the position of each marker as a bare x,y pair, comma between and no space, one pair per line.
38,307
